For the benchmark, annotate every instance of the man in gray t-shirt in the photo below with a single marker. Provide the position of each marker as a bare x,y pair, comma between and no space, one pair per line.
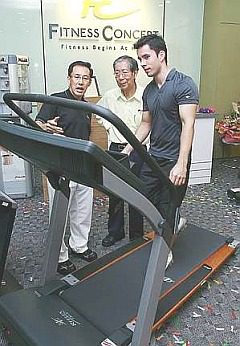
169,109
164,103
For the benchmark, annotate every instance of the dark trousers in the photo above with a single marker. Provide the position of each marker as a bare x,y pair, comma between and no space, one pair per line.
157,192
116,206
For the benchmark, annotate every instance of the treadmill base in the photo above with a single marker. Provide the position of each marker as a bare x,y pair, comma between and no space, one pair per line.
103,304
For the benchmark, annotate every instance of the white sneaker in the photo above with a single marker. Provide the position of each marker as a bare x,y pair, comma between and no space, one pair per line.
170,259
182,224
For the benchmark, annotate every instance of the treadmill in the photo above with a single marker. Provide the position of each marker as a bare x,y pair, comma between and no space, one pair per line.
121,298
8,209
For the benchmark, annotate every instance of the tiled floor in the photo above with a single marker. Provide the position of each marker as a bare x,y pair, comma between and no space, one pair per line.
212,316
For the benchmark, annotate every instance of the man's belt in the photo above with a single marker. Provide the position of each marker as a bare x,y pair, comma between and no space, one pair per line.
119,146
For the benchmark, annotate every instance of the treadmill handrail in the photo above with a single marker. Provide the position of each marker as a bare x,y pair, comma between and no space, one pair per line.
99,110
110,176
67,143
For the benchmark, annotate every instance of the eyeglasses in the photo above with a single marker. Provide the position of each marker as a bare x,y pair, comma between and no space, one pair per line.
83,78
124,73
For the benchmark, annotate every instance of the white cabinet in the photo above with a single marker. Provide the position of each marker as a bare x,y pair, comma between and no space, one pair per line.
202,149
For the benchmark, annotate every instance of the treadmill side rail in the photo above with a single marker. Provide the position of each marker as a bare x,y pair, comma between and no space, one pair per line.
70,279
234,244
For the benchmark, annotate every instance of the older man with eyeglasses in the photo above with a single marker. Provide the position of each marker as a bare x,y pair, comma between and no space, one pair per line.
126,102
77,124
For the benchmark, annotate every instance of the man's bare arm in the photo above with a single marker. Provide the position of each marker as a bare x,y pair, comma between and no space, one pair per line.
187,114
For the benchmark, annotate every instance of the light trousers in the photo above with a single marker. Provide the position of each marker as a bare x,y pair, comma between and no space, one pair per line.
80,217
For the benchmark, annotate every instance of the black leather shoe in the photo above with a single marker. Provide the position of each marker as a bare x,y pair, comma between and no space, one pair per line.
65,268
109,240
87,255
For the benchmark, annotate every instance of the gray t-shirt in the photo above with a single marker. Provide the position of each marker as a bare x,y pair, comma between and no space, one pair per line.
163,105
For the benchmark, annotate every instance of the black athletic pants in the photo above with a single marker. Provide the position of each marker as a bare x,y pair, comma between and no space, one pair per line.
157,192
116,205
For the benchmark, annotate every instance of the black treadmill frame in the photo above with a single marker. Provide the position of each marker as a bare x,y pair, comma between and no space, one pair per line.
163,232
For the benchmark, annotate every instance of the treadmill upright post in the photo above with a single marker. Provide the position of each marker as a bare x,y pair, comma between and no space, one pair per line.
150,293
55,235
